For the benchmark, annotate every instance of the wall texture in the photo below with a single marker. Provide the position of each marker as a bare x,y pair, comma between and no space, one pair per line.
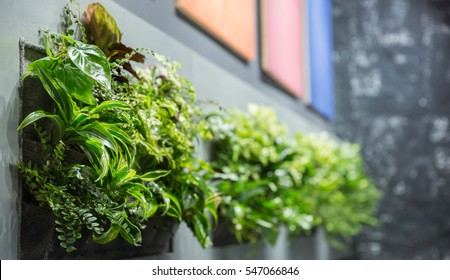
18,19
211,78
392,65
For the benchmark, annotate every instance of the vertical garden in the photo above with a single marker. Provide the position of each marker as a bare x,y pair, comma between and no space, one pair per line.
115,139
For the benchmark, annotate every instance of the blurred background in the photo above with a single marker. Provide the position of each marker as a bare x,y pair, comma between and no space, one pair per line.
375,72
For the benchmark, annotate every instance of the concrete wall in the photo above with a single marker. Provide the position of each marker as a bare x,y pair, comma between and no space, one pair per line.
212,81
392,92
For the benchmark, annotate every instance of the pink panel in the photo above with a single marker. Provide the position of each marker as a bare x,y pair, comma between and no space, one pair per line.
283,43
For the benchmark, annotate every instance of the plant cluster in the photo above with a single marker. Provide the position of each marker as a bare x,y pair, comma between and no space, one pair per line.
269,180
136,136
125,140
334,185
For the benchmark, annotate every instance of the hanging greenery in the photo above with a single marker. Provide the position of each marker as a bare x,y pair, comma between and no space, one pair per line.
132,135
255,175
268,180
125,140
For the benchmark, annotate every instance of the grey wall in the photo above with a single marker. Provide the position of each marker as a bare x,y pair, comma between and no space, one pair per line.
18,18
212,78
392,65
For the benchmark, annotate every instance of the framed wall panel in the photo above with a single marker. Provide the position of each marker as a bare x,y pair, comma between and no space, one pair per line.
232,22
283,39
320,32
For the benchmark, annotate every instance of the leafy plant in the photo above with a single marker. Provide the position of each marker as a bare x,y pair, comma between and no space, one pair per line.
335,187
134,140
253,160
166,122
102,30
104,187
269,180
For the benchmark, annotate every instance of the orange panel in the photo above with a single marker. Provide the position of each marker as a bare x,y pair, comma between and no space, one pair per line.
230,21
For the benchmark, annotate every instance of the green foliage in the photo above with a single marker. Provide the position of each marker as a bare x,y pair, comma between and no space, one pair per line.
102,192
101,27
167,122
334,185
102,31
126,144
135,140
268,180
252,161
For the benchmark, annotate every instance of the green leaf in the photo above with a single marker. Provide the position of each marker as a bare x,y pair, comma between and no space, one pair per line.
97,154
154,175
37,115
70,249
78,84
200,224
48,45
139,187
57,93
148,208
122,174
92,61
108,236
109,105
129,231
45,63
81,118
82,172
119,134
188,199
168,200
212,209
97,131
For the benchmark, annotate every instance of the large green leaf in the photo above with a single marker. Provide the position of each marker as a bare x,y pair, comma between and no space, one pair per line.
109,105
118,133
108,236
149,207
45,63
37,115
96,153
129,231
98,132
154,175
92,61
78,84
200,224
82,118
171,202
57,93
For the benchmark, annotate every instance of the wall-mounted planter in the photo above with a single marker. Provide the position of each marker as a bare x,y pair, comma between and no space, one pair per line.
39,241
37,237
222,236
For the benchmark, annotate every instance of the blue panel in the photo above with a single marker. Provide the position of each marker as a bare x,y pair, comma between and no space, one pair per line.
320,33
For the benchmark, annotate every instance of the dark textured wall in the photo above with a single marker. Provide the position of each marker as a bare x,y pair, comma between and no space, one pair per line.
392,67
